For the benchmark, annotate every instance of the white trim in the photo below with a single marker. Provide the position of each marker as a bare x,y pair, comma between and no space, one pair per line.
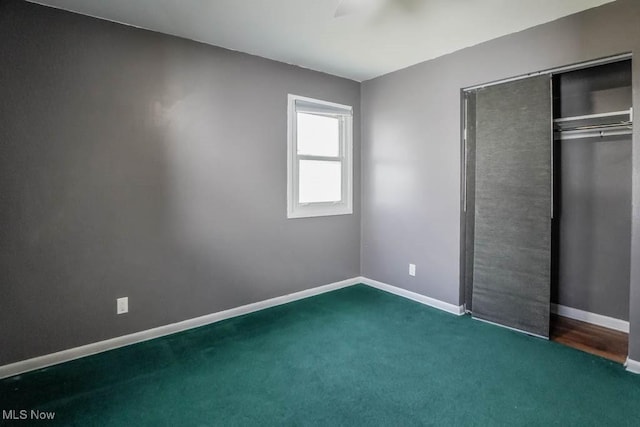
345,205
593,318
347,108
458,310
632,366
137,337
113,343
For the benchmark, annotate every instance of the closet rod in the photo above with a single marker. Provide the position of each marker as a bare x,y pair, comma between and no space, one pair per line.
604,126
591,133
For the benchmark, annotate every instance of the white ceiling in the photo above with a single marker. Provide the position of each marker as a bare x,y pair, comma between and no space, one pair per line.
392,35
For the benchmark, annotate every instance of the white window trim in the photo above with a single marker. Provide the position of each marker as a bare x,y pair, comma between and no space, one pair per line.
306,210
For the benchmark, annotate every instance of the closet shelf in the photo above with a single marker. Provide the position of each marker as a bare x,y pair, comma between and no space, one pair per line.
594,125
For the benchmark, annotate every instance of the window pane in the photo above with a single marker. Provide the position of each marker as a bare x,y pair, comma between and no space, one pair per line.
320,181
318,135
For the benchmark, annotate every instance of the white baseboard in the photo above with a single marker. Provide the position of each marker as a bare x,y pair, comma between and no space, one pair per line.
632,366
110,344
432,302
586,316
113,343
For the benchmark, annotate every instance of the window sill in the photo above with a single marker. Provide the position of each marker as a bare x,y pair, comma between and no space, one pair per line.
312,213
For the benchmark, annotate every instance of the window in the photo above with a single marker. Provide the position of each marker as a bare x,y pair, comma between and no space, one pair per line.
320,145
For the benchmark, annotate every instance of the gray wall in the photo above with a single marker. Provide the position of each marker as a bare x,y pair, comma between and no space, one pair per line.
594,217
143,165
411,147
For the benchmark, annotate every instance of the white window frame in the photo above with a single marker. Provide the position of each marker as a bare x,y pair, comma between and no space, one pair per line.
345,115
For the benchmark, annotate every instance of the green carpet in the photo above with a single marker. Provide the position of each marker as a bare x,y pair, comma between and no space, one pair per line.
356,356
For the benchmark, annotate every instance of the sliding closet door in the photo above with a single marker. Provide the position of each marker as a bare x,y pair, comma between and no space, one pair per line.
512,234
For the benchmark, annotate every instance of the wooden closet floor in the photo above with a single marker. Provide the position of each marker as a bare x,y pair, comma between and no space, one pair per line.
593,339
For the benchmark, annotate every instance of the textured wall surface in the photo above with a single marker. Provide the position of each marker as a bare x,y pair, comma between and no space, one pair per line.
512,245
143,165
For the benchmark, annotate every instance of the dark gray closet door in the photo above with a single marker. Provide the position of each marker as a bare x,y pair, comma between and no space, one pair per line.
512,233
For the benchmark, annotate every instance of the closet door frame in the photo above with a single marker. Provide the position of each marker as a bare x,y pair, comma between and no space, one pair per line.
467,191
466,232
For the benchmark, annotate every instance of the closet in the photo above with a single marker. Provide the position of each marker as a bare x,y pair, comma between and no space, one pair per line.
546,209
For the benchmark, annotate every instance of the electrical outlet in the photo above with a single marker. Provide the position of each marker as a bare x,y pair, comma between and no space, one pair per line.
122,305
412,269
